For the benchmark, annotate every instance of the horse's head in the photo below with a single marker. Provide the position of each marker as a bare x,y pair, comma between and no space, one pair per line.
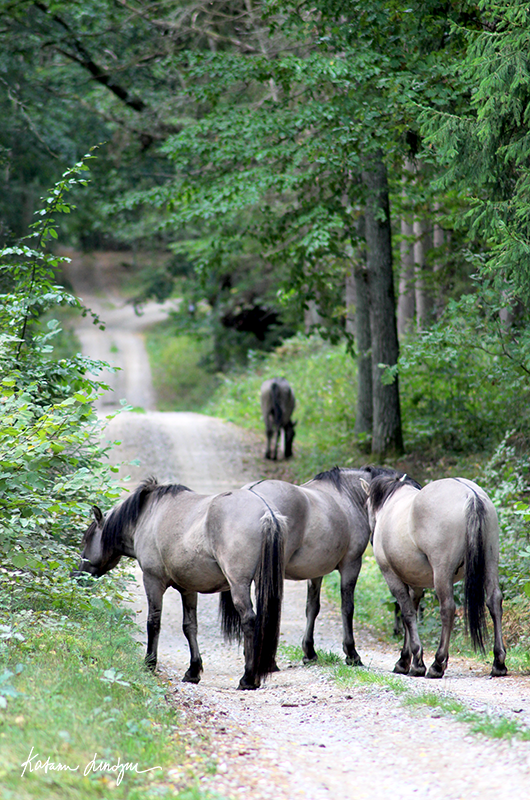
289,432
96,559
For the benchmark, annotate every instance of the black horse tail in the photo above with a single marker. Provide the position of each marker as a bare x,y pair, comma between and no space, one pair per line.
230,619
475,571
269,592
277,411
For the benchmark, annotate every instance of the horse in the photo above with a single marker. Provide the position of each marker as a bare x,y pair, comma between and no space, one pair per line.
277,406
198,543
432,538
327,529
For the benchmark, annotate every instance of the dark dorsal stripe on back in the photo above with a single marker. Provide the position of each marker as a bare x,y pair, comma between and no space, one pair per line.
383,486
129,511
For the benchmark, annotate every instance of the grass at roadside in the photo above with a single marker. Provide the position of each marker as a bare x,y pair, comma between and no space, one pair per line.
74,692
181,382
485,723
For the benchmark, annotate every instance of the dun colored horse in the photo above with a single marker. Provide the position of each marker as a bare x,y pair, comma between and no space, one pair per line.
277,406
327,529
433,537
198,543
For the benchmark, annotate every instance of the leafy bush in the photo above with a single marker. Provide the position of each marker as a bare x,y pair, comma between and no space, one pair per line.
465,381
52,463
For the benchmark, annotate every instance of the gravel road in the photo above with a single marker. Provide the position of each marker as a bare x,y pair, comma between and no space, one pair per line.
301,735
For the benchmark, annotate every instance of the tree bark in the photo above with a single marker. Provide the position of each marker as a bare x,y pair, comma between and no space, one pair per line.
424,299
406,299
363,344
387,435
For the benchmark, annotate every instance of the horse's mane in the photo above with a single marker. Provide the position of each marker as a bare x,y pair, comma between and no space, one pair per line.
385,483
128,512
341,479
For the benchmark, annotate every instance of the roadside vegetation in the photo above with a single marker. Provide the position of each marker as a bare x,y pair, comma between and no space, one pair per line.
79,714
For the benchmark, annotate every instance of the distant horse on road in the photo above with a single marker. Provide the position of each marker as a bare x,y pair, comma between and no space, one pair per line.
433,537
277,406
198,543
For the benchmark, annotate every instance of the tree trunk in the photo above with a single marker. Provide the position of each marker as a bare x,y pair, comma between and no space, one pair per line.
387,435
363,344
406,299
424,300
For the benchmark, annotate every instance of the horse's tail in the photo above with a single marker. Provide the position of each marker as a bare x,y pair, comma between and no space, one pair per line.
269,592
277,411
230,619
475,570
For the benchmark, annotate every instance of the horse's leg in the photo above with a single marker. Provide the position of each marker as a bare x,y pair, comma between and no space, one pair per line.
412,648
276,440
312,607
154,591
443,586
243,605
269,432
189,626
348,580
494,603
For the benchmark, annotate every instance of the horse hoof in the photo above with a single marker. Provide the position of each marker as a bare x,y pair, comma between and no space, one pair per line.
191,678
418,672
310,659
247,687
354,662
498,672
401,669
435,672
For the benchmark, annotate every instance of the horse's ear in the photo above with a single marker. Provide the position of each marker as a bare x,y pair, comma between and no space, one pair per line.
98,515
366,487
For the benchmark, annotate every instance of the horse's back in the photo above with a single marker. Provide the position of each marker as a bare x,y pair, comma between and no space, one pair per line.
291,502
446,500
277,400
440,514
235,528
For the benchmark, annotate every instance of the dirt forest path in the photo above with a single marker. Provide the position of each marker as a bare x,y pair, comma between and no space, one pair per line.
301,735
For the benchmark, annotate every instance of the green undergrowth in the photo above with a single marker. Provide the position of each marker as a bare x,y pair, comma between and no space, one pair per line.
180,380
74,692
323,378
295,654
485,723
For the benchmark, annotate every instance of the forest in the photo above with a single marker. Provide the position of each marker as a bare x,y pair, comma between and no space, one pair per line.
338,191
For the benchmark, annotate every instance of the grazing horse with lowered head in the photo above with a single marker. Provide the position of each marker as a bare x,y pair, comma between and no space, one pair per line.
327,529
198,543
277,406
433,537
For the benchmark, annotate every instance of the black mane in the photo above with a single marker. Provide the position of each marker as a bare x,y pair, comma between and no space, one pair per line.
333,475
384,485
128,512
340,478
